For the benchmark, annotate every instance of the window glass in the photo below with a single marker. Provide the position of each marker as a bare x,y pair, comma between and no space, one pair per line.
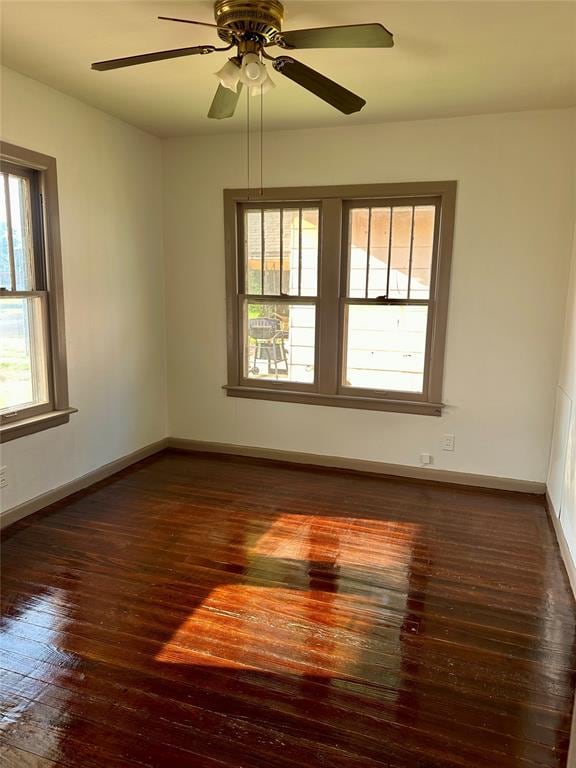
424,221
281,251
385,347
390,252
5,269
279,341
23,378
21,216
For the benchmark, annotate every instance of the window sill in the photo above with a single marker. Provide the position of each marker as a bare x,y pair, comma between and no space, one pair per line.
34,424
337,401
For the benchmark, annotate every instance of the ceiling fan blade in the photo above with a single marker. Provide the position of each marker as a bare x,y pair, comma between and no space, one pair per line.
321,86
187,21
129,61
224,102
351,36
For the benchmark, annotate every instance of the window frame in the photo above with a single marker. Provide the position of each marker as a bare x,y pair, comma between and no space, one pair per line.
334,202
281,298
41,171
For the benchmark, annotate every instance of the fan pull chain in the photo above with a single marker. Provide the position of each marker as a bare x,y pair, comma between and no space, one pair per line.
261,142
248,136
248,142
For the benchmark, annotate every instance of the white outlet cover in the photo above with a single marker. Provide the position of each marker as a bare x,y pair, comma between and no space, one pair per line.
448,442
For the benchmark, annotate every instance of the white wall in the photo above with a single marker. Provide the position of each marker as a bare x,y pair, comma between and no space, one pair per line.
562,471
561,481
514,225
513,234
111,219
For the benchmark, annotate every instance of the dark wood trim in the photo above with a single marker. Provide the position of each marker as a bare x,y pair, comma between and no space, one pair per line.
30,506
329,288
337,401
350,191
555,523
32,424
49,225
314,461
234,285
433,477
438,315
334,201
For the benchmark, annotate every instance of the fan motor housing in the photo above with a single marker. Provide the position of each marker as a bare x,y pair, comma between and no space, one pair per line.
257,17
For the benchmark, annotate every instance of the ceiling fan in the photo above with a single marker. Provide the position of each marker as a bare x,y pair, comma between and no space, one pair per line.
252,26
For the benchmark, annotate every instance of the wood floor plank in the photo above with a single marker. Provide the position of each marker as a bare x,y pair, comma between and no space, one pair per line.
231,613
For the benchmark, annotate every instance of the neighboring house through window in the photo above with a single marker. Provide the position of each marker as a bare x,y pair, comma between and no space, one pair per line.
339,295
33,377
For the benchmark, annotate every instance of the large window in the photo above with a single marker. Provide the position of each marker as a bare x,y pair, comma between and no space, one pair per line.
339,295
33,388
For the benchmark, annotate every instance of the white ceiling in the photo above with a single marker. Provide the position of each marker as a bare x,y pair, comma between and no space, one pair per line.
450,58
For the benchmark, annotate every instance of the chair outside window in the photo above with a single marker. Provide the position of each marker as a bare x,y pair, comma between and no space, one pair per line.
269,338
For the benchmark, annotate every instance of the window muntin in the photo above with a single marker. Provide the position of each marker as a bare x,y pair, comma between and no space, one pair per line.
383,256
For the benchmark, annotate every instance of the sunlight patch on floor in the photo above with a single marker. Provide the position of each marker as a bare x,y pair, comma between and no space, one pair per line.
341,541
335,627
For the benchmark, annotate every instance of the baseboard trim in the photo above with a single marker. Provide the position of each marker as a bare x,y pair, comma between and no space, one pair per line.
14,514
570,566
359,465
562,543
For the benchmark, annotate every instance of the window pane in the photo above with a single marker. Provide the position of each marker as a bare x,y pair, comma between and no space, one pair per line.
407,250
21,213
400,255
281,251
5,275
279,341
23,370
309,253
386,347
253,251
368,252
424,216
379,243
271,252
358,252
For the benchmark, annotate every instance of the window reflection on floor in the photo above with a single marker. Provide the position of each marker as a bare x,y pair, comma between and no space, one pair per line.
343,624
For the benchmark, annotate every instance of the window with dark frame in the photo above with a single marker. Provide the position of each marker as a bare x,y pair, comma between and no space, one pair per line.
339,295
33,380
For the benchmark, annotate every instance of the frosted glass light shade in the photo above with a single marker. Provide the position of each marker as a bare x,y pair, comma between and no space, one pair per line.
229,76
267,85
253,72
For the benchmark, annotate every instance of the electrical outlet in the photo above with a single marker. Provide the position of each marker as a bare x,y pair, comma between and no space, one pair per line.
426,458
3,477
448,442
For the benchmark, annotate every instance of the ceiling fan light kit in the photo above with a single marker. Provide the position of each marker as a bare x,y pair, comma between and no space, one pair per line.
253,72
229,75
252,26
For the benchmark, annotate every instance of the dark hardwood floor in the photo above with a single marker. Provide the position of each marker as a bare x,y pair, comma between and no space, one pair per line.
209,612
